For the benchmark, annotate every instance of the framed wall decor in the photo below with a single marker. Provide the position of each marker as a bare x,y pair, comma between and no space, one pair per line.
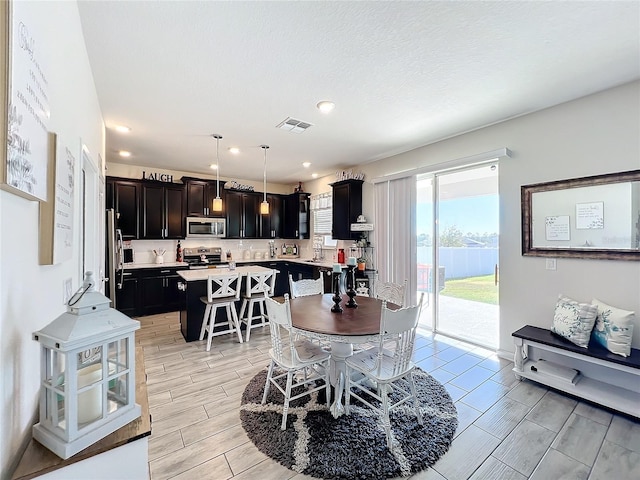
56,214
25,107
595,217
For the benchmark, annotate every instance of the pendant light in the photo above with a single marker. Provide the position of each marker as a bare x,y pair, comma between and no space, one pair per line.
264,206
217,202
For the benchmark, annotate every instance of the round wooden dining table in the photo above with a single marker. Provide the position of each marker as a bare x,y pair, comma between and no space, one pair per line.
312,316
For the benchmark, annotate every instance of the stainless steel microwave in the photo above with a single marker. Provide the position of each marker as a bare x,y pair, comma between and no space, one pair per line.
199,227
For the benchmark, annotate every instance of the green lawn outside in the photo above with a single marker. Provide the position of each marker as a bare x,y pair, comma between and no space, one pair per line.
479,289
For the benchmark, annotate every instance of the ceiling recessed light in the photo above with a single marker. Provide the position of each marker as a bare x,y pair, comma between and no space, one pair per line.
314,175
213,166
124,153
326,106
234,150
306,164
122,129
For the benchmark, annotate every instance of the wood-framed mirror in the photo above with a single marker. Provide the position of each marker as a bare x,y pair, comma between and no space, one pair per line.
594,217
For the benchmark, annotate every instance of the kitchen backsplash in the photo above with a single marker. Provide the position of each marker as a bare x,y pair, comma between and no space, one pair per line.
143,249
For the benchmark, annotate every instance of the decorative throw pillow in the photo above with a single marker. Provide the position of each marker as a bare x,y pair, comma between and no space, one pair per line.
614,328
574,321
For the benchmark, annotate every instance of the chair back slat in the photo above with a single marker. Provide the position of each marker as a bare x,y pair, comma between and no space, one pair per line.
279,323
398,333
306,286
391,292
260,282
223,286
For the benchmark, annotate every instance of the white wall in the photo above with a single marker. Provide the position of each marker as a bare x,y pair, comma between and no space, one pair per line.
31,295
590,136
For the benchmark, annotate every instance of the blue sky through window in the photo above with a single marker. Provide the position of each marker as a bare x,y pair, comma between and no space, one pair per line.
470,214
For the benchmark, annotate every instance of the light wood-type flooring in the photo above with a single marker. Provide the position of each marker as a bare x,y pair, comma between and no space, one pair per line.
507,429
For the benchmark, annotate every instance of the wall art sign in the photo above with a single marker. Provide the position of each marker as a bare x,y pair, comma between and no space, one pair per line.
158,177
557,227
26,112
56,215
233,185
590,215
342,175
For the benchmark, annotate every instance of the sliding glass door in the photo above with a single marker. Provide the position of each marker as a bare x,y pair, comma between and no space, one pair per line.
457,246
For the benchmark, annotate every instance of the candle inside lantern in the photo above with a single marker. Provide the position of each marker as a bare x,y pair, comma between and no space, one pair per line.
351,261
90,402
337,268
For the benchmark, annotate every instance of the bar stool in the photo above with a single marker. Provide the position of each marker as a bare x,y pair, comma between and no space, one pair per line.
258,287
222,291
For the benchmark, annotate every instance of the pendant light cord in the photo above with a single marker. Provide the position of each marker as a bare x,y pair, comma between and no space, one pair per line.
264,174
218,137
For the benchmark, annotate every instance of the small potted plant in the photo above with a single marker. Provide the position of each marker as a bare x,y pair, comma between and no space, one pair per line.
361,263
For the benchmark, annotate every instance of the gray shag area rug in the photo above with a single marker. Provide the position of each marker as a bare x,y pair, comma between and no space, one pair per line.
352,446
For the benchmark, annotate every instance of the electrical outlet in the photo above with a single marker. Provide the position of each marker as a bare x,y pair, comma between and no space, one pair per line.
67,290
551,263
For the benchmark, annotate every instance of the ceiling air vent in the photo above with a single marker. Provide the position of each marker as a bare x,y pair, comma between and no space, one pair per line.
292,125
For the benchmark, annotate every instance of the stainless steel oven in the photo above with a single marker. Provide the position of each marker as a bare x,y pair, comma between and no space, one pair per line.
201,227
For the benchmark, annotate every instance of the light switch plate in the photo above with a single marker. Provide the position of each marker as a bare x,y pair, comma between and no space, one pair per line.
551,263
67,290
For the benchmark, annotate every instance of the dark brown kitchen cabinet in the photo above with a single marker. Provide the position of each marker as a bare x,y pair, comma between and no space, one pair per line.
159,291
148,291
347,205
296,216
162,214
271,225
124,197
127,293
242,210
200,195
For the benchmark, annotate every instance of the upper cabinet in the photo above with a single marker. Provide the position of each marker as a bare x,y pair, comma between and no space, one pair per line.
347,205
296,216
162,212
200,195
242,210
124,197
153,210
271,226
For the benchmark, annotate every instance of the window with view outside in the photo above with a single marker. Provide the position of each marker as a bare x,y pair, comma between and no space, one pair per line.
463,250
321,208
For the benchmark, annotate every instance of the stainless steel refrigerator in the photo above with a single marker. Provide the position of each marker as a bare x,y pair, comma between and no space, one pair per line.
114,256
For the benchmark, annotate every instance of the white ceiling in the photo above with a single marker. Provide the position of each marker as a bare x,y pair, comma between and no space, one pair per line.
402,75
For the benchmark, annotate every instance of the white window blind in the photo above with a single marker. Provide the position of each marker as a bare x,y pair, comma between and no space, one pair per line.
321,208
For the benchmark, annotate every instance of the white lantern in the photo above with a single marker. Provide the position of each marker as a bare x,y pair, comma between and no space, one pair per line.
87,373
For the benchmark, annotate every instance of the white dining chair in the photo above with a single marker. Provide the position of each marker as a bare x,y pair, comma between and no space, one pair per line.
306,286
386,364
293,355
391,292
222,291
258,287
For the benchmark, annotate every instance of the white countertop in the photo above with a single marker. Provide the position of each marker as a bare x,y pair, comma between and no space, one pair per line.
303,261
134,266
202,274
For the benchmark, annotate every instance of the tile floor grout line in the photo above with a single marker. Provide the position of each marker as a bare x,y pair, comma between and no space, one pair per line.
226,350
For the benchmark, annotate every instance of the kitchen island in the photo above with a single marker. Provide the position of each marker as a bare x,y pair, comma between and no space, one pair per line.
194,287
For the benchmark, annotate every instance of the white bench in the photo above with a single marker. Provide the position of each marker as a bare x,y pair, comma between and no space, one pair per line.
593,373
